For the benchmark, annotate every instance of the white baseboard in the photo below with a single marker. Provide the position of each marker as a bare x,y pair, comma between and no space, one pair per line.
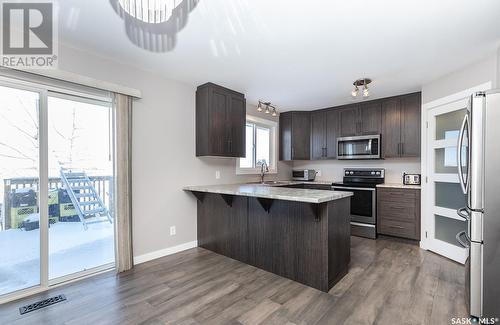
164,252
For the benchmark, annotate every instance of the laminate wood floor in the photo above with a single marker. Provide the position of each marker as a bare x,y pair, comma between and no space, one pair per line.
390,282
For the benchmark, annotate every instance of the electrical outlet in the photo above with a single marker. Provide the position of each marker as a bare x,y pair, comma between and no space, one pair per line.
217,174
172,231
318,172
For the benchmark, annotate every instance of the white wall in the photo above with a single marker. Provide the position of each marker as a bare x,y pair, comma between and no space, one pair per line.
163,152
470,76
497,81
332,170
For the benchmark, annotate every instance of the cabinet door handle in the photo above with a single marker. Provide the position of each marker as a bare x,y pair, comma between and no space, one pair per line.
396,227
293,153
402,149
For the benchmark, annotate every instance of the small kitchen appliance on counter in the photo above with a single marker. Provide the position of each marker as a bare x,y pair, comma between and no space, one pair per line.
303,174
411,179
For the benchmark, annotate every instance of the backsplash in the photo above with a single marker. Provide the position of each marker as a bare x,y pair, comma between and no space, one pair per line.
332,170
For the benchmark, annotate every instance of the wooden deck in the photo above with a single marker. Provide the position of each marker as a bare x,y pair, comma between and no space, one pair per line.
390,282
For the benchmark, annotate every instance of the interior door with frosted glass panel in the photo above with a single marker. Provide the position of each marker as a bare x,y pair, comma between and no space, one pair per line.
445,195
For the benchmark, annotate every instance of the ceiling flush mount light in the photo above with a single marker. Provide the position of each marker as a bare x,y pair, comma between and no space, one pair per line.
153,24
364,82
269,108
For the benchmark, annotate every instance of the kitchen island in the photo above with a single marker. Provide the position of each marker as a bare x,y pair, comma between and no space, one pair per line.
300,234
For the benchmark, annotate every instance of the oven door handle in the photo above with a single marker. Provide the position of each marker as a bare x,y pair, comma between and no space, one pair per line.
353,188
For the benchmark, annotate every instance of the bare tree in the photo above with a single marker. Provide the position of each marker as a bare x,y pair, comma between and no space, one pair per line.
66,158
27,131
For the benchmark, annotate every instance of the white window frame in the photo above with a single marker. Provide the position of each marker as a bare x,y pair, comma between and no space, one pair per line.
273,145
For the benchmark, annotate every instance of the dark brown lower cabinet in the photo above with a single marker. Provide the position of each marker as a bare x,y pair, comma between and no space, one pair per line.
398,212
222,228
308,243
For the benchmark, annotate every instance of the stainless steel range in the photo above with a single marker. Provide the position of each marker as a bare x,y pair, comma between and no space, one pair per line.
363,183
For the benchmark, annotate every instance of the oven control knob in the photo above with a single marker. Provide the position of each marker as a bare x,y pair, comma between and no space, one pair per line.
352,173
373,173
346,172
378,173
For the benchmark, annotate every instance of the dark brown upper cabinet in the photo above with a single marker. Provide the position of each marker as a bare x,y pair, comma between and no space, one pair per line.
349,120
361,119
220,121
324,132
411,125
295,134
401,126
370,118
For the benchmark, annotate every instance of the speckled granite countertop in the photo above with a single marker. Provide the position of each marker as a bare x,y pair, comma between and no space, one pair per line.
400,185
273,191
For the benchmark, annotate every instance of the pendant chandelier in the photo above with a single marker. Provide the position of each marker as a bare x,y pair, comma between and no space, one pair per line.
150,11
153,24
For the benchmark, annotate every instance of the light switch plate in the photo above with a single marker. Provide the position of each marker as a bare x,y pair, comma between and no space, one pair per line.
173,231
217,174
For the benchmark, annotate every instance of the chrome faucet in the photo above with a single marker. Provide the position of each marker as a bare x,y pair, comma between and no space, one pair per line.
264,168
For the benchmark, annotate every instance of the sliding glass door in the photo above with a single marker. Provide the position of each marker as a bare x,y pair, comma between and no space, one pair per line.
81,235
56,193
19,177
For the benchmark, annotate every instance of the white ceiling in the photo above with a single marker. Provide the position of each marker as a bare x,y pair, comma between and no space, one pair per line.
302,54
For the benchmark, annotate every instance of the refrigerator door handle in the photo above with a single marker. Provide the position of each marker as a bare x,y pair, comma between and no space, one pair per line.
460,241
464,213
461,179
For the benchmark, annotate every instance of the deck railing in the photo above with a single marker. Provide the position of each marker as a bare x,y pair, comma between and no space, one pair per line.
102,184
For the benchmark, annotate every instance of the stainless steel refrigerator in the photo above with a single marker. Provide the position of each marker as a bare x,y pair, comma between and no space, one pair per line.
479,174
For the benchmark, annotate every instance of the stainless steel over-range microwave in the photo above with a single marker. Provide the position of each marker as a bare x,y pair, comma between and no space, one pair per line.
359,147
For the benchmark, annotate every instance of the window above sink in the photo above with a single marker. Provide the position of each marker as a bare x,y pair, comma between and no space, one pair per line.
261,145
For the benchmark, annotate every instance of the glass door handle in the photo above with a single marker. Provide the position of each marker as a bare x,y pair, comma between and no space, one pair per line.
464,213
460,241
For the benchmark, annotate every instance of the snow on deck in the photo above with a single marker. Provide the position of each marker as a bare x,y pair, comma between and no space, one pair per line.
71,249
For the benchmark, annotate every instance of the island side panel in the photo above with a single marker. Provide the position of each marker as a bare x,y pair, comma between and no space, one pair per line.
289,241
223,229
339,240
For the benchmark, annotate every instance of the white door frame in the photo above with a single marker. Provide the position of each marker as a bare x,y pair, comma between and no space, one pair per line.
43,155
448,103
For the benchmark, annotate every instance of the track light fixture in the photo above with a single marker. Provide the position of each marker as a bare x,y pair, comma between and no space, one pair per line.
364,82
267,108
